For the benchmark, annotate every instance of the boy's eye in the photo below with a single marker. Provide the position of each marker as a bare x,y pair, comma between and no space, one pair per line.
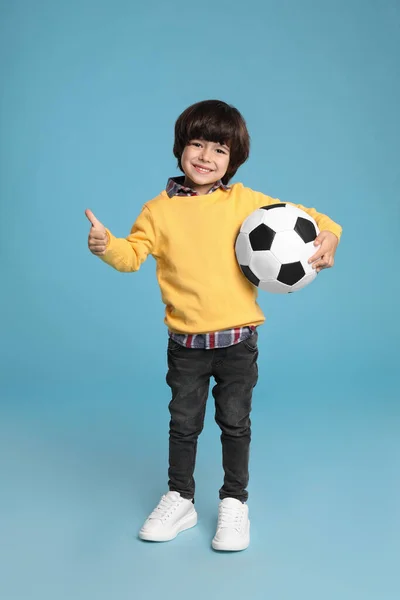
197,144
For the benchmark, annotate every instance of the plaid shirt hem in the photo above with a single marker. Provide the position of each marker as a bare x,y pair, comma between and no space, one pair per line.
216,339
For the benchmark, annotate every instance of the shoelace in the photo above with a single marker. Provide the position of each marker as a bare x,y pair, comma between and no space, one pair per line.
165,508
230,517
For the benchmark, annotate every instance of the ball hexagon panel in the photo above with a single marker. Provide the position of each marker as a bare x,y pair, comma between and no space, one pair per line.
261,237
243,249
307,252
252,221
288,247
274,287
306,229
291,273
264,265
280,219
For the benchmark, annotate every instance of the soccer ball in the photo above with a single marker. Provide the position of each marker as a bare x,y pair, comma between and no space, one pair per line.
273,248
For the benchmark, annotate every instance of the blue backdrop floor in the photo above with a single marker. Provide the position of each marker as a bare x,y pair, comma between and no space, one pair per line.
79,475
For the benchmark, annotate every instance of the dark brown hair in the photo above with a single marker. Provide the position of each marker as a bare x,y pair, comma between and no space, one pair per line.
214,121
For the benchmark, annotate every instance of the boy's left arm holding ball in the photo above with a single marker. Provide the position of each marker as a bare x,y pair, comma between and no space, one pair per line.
327,240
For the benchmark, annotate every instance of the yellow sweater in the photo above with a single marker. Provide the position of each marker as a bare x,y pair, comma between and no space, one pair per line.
192,239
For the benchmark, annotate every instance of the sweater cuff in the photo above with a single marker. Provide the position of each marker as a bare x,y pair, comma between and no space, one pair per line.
336,229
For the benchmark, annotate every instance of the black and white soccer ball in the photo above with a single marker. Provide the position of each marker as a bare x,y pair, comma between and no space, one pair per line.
273,248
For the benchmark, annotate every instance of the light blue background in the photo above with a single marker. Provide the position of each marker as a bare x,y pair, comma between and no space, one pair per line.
89,95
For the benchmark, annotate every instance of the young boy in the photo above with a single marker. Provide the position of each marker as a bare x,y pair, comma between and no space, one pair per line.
211,309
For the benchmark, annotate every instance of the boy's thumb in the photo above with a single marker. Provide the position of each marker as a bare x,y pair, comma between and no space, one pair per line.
95,222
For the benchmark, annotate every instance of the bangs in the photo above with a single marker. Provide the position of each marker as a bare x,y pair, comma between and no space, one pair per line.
210,128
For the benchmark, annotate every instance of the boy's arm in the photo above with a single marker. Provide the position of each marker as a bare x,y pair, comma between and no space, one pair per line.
128,254
323,221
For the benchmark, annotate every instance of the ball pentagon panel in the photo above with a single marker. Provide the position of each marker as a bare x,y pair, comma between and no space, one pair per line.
291,273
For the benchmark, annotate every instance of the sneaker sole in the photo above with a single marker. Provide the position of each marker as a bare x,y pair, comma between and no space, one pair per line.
185,523
226,547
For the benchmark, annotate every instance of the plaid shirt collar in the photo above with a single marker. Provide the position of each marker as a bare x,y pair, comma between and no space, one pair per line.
175,187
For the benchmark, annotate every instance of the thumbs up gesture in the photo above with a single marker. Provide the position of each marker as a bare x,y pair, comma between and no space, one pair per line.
98,238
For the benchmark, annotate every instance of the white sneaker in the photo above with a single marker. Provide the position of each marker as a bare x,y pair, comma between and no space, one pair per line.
233,529
172,515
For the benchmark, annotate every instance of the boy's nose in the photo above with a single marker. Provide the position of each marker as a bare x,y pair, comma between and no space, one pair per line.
205,154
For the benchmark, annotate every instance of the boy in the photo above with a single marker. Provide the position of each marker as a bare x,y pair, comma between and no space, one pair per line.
211,309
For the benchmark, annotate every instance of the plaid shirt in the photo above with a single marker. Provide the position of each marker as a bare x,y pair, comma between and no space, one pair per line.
215,339
175,187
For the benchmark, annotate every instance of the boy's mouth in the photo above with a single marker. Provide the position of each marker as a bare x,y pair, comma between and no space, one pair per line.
202,170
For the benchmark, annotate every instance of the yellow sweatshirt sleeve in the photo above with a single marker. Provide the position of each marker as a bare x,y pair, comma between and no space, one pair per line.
128,254
323,221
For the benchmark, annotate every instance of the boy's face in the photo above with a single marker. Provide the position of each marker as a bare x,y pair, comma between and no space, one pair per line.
204,163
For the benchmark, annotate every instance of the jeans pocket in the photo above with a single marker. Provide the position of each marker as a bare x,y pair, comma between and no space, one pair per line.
173,346
251,342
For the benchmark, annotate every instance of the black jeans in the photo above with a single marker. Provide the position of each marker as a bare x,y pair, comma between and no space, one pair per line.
189,371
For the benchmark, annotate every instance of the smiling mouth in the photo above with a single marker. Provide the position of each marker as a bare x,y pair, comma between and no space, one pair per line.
202,170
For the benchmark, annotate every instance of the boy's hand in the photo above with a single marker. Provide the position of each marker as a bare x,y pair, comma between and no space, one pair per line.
98,238
324,257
